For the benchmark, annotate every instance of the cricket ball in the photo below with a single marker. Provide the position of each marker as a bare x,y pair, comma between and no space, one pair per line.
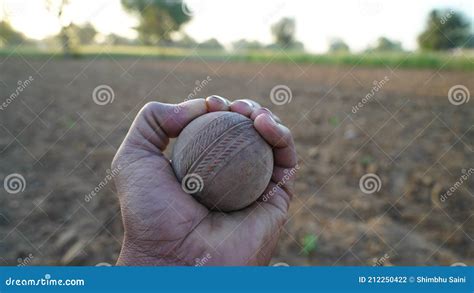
222,161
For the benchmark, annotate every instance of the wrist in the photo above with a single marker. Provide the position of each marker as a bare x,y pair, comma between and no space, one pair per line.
133,254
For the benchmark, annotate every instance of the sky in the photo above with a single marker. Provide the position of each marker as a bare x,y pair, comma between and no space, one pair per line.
358,22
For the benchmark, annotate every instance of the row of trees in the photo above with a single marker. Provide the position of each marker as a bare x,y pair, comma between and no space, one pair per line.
445,29
382,44
160,20
8,36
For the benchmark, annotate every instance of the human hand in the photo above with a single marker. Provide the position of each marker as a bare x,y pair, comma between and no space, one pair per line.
166,226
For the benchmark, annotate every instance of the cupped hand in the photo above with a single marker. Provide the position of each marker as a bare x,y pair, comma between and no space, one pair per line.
164,225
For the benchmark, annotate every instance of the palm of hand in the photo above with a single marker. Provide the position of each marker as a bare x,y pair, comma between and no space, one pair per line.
163,224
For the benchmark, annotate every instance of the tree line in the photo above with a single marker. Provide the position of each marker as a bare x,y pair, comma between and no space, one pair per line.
160,23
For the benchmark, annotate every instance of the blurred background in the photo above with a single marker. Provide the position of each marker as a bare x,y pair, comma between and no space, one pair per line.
376,93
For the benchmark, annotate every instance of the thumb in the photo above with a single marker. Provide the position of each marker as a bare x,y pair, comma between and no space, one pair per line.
157,122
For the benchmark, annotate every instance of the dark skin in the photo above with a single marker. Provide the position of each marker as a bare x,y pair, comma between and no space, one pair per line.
166,226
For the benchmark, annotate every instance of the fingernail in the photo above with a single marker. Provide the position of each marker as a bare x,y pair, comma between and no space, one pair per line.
272,120
220,99
270,113
283,128
248,103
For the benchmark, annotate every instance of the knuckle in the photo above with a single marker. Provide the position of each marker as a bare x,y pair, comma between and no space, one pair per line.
150,107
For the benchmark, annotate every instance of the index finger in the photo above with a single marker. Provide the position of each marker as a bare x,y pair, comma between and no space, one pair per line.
157,122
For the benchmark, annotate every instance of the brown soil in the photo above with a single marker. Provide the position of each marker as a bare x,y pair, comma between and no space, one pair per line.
409,134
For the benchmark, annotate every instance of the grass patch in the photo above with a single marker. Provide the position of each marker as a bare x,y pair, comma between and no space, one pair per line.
437,61
310,243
